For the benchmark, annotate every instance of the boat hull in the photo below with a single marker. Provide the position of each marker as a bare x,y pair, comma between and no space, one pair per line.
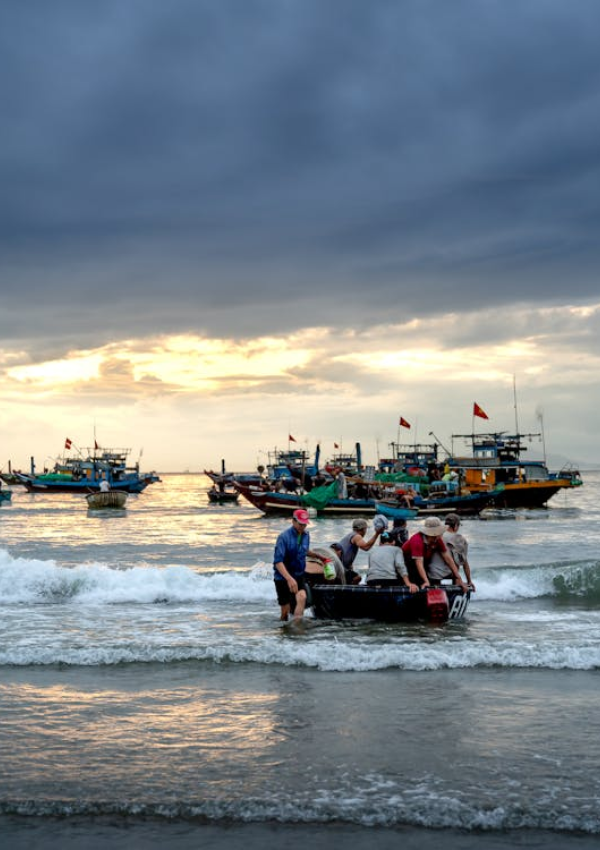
39,485
284,504
110,499
533,494
222,498
465,505
389,604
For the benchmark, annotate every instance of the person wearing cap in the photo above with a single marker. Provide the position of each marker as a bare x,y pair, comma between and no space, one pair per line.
458,546
289,564
386,565
420,549
351,543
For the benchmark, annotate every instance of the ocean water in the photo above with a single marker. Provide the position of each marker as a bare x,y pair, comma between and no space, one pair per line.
149,694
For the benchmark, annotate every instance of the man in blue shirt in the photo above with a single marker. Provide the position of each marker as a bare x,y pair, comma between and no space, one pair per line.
289,564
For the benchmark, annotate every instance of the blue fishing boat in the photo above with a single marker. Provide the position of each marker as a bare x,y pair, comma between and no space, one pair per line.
85,472
320,499
443,497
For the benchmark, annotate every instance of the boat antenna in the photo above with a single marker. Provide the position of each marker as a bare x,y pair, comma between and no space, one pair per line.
437,439
515,404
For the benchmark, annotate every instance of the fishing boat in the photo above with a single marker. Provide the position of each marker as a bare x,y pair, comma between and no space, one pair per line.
443,497
388,604
292,465
496,463
84,472
9,477
277,503
416,460
350,463
106,499
224,478
222,494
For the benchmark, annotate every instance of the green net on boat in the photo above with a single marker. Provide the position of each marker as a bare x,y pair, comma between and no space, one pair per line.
318,497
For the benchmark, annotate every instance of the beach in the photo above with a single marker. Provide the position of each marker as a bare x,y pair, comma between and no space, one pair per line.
149,695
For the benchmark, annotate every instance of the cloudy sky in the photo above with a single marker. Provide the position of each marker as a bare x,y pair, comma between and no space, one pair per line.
225,222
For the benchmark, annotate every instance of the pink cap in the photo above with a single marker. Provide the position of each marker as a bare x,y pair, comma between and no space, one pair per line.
301,516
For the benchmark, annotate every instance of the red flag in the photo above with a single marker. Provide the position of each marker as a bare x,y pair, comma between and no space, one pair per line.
477,411
404,423
335,446
96,446
67,443
291,439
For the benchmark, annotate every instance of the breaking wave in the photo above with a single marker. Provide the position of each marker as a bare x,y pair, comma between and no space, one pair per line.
43,582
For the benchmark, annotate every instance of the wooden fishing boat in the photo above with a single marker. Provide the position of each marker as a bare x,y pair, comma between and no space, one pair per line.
85,472
284,504
443,498
496,463
106,499
222,495
388,604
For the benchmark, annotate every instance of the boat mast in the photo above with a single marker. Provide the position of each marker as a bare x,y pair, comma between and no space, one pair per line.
540,416
515,404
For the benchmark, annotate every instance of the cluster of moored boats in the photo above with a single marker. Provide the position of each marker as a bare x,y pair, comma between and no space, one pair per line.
104,476
413,481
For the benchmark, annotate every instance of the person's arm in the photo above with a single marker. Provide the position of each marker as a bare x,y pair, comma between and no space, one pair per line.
420,565
467,569
363,544
291,581
449,560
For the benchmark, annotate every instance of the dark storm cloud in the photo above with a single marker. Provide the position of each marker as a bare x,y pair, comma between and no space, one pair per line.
252,165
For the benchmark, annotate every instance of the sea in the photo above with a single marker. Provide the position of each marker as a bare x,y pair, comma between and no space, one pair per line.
150,696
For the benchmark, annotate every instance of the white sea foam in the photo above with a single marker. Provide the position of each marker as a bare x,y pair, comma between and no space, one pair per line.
25,580
372,801
320,655
507,584
32,581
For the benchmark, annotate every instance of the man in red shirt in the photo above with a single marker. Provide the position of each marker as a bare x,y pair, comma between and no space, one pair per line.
420,548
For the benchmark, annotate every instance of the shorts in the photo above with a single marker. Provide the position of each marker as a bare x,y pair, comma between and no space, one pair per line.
284,595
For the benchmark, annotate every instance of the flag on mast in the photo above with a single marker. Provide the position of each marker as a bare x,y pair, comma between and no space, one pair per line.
478,411
291,439
402,421
67,443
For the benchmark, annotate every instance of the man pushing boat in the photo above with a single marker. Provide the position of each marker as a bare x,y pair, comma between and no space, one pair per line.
289,565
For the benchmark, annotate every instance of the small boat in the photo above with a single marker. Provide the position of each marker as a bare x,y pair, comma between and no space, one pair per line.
221,495
106,499
276,503
388,604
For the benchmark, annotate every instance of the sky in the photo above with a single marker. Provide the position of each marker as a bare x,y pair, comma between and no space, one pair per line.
225,223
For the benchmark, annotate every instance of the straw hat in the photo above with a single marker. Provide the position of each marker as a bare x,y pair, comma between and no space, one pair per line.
433,527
